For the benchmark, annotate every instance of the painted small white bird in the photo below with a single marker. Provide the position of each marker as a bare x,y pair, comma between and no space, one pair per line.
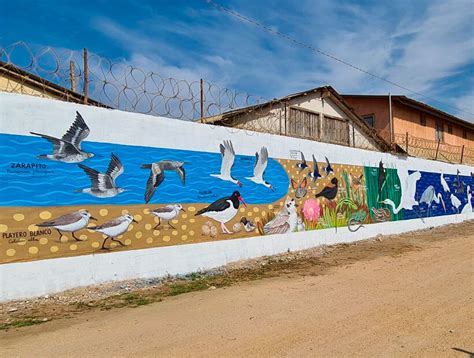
71,222
114,228
444,184
228,158
286,220
168,213
468,207
261,162
455,202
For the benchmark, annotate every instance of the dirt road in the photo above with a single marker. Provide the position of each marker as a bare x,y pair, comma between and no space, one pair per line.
417,303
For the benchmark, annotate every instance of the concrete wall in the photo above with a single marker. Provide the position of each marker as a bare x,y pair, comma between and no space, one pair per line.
365,194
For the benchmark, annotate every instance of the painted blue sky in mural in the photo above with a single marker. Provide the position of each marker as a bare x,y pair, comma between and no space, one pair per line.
189,40
56,183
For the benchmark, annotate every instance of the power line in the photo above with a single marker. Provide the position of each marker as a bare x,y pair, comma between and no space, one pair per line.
321,52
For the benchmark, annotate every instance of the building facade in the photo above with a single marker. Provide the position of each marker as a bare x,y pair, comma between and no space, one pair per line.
318,114
416,126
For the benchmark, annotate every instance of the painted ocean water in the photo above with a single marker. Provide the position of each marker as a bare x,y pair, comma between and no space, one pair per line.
28,181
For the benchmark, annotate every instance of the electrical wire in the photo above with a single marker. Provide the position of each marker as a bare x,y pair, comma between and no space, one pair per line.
321,52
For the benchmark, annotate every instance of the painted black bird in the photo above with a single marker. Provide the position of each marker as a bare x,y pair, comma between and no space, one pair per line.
223,210
302,165
315,175
329,192
382,177
328,169
458,184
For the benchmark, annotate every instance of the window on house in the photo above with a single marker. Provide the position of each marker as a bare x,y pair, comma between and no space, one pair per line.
464,134
423,119
303,123
439,134
369,119
450,129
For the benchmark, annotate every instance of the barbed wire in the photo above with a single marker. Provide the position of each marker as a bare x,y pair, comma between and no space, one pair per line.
123,86
126,87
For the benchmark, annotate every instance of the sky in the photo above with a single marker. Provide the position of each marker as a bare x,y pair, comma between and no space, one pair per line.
426,46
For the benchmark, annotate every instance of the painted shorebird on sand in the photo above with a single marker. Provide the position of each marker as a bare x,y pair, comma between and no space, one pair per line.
168,213
71,222
223,210
114,228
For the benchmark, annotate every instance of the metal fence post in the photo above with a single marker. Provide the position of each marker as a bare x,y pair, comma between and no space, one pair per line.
201,100
462,153
406,143
72,75
86,77
437,150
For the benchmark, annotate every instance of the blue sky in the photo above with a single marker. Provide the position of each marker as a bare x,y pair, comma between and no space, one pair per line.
427,46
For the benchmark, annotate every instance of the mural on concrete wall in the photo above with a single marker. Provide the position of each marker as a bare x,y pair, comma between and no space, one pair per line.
85,197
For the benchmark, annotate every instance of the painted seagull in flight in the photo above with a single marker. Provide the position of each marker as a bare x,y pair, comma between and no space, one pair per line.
157,175
228,158
103,185
261,162
68,148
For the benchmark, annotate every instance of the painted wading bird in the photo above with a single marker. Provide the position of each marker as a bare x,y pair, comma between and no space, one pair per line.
223,210
459,184
444,184
228,158
429,196
261,162
455,202
285,221
314,174
71,222
168,213
114,228
468,207
103,184
381,178
68,148
407,200
157,175
302,165
329,192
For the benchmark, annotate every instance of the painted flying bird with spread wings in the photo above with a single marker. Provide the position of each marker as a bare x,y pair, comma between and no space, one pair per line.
68,148
228,158
315,175
328,168
261,162
157,175
103,184
302,165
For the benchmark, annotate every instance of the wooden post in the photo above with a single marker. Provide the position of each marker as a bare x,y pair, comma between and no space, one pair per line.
86,78
437,150
406,143
72,75
201,100
462,153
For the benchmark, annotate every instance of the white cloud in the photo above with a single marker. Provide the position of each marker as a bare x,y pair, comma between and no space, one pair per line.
421,46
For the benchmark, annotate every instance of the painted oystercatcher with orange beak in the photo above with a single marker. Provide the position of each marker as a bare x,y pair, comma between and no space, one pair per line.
223,210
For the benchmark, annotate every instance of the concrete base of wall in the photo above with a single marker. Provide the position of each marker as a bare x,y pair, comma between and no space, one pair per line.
29,279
